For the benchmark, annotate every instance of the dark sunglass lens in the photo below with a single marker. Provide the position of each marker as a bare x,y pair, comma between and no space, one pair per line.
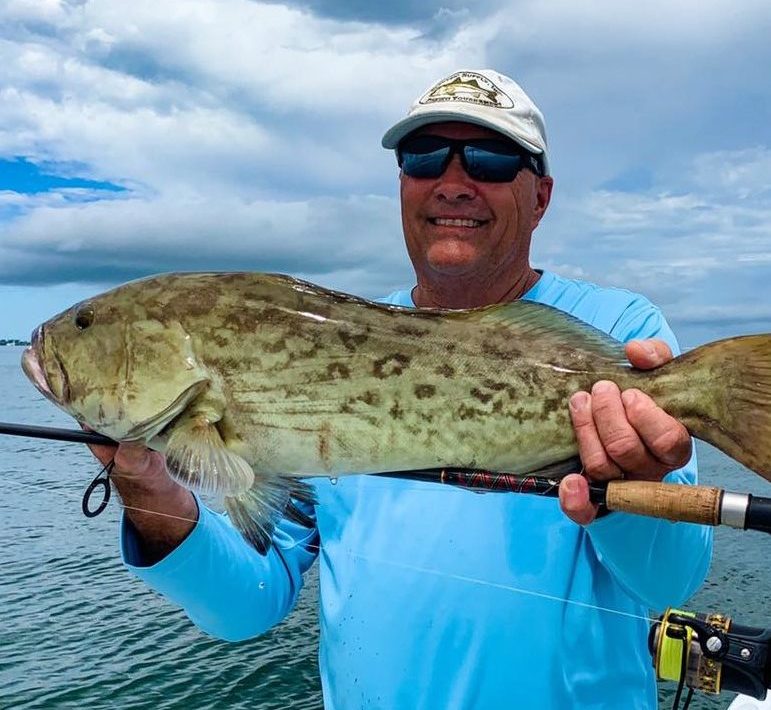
424,156
491,165
425,165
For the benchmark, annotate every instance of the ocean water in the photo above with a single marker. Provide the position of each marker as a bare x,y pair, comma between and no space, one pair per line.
78,631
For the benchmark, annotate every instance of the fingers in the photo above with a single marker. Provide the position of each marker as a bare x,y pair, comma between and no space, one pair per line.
620,440
597,462
626,434
664,437
574,499
132,460
647,354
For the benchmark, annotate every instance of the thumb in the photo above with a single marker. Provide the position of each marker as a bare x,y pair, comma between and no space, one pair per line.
647,354
574,499
134,458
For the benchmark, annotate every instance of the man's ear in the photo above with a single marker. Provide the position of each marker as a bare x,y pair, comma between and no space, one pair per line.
542,197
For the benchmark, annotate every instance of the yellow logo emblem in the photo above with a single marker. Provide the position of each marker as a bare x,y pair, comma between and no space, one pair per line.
469,87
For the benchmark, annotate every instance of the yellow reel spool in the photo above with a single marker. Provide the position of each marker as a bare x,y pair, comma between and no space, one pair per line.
676,640
669,651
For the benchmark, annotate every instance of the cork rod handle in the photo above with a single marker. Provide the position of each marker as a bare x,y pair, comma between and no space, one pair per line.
690,504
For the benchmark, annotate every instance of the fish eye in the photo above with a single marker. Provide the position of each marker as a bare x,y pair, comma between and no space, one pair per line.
84,317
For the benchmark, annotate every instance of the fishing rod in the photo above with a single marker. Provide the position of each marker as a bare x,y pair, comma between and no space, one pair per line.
704,505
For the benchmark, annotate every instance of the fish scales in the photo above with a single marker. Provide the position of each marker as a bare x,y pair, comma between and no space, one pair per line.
251,381
379,398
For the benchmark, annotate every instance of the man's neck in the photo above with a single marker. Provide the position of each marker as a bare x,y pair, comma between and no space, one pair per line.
471,293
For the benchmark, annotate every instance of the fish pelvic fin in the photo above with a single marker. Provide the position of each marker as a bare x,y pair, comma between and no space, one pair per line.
726,400
198,458
256,512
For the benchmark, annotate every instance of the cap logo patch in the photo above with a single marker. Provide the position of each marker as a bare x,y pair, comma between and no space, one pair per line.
468,87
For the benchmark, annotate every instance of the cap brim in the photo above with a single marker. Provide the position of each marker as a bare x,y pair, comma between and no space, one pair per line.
412,123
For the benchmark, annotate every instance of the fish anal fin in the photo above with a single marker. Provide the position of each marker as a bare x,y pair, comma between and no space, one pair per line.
302,491
256,512
296,515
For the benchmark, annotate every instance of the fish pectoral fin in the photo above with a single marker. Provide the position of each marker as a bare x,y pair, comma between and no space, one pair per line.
560,469
199,459
256,512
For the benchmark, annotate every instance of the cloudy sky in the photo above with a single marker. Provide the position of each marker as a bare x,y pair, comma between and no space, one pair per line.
144,136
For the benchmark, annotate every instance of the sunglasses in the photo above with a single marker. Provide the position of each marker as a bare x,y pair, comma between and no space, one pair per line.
483,159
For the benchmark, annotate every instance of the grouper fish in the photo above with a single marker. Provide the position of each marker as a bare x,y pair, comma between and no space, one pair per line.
250,382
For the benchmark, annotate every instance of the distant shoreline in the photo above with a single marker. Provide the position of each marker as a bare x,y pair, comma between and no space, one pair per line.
12,341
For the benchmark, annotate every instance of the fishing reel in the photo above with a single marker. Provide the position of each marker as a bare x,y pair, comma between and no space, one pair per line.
710,653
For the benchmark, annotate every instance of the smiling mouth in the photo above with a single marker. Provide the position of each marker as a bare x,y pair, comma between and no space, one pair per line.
457,222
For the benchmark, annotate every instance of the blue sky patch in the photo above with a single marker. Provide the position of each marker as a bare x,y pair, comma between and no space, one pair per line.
637,179
21,175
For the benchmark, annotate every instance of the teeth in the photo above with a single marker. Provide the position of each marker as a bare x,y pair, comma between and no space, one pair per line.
457,222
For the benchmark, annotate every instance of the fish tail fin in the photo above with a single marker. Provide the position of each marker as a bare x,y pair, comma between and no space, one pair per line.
256,512
727,398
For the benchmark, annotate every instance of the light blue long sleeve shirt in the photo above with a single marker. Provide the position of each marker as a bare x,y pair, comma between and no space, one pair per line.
439,598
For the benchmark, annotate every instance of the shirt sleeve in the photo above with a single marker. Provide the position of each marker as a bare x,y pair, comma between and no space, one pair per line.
658,562
224,585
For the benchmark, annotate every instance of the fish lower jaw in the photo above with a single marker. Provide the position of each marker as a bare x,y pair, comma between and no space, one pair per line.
32,368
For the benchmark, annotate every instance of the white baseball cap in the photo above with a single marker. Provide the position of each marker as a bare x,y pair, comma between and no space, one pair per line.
483,97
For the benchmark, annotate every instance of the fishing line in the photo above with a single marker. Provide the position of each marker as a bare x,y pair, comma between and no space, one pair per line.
494,585
317,548
74,496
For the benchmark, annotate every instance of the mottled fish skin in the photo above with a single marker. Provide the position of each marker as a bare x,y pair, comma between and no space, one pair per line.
318,382
297,380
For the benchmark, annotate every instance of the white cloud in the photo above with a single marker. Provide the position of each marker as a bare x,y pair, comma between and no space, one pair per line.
128,237
741,173
35,11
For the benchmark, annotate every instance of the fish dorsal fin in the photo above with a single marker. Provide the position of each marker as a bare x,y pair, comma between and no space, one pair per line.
528,319
199,459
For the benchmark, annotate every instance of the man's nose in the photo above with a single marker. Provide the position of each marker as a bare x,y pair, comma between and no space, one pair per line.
455,183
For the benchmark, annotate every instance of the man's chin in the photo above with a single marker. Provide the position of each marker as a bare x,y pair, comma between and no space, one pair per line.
453,257
453,270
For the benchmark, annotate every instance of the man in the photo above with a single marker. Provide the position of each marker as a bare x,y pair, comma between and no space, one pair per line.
436,598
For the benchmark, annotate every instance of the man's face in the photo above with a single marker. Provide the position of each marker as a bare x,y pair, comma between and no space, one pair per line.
457,226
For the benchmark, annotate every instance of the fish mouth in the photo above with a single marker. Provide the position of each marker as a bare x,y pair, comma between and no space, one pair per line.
44,369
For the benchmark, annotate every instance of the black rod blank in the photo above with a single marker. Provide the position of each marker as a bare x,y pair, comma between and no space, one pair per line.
43,432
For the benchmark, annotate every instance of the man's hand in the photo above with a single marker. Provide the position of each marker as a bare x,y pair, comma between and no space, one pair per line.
162,511
622,434
134,464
